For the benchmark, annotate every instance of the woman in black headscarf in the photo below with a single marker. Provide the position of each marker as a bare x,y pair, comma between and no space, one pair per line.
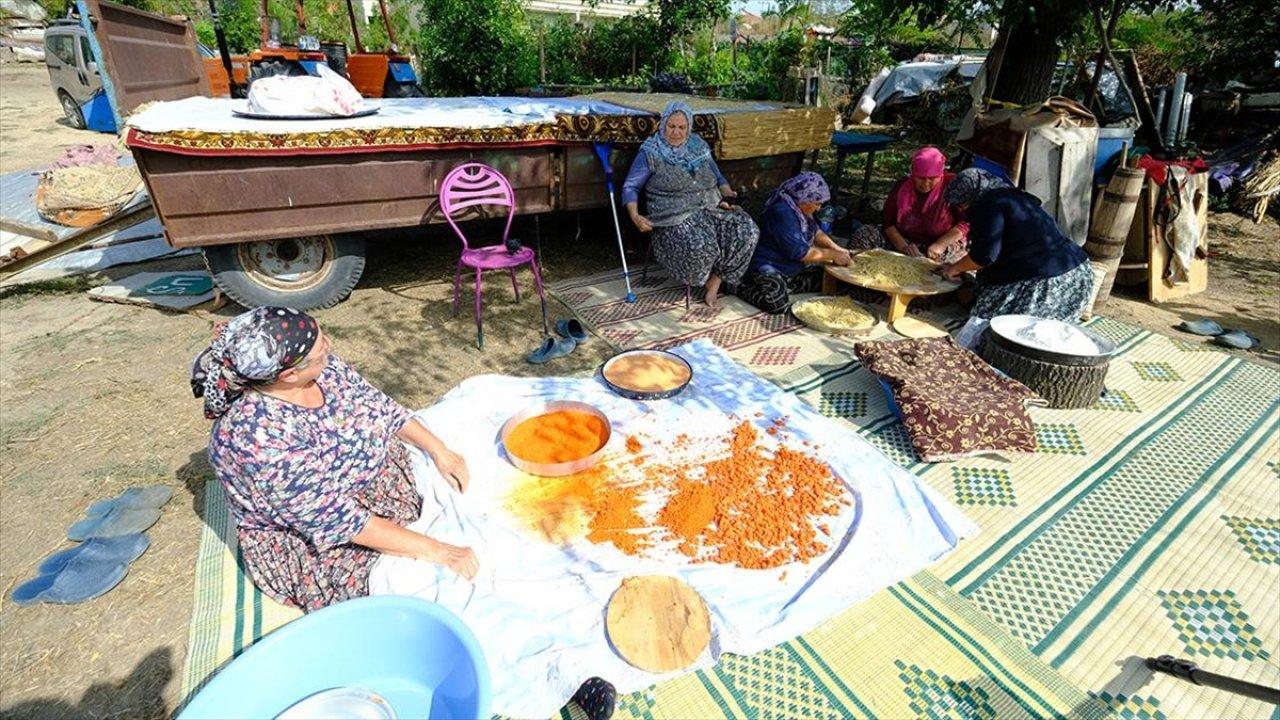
1025,264
313,461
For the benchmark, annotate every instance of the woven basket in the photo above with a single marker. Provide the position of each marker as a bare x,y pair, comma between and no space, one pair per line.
1062,386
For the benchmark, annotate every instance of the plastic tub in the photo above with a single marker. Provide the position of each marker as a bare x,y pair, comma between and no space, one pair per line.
1110,142
417,656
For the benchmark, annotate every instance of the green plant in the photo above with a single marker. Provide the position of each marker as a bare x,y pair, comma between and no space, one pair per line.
475,47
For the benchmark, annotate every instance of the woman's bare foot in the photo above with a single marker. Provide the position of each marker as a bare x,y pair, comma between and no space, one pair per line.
712,290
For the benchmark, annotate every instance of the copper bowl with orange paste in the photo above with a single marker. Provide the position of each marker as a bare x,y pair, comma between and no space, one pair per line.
556,438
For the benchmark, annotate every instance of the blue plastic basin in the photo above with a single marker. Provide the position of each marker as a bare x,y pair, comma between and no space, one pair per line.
418,656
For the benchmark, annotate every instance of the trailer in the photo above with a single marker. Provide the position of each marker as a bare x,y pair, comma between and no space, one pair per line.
281,209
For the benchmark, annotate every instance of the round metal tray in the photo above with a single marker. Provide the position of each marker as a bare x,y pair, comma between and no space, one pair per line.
642,395
1001,335
554,469
262,116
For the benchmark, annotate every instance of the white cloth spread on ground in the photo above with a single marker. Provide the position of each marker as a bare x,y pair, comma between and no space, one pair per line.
215,115
538,609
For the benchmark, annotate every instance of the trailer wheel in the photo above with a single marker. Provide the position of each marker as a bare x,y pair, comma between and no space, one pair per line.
317,271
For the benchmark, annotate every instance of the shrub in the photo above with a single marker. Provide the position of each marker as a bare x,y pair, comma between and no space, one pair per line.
475,47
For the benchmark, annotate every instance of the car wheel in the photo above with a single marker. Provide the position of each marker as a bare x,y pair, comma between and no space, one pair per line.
71,109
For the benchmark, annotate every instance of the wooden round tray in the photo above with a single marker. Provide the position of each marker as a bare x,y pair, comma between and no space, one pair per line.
853,276
658,623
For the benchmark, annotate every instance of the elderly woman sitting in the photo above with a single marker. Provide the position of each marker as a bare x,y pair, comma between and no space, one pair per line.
697,236
1025,264
917,218
311,458
792,249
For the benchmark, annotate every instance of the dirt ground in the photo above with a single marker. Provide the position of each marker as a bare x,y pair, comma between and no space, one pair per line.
94,398
33,131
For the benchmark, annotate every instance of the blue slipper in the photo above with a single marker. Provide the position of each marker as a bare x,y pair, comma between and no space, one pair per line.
118,521
552,348
151,496
107,551
1238,339
571,328
82,579
1203,326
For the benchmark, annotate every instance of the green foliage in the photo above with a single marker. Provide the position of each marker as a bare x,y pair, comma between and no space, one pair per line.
1242,38
475,47
239,20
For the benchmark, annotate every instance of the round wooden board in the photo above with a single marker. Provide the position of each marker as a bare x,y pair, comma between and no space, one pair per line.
852,276
915,328
658,623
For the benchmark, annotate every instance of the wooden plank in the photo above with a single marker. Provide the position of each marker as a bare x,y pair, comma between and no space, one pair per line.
658,623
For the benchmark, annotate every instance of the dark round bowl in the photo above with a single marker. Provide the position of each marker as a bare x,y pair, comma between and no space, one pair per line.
641,395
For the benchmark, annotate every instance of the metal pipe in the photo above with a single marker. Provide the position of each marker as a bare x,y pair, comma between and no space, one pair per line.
393,46
355,30
1187,670
223,51
1175,106
1185,118
1161,98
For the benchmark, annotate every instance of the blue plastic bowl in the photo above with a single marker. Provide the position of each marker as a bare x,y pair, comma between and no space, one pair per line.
418,656
888,396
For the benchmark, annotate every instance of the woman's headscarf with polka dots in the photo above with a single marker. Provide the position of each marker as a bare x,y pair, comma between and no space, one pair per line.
254,347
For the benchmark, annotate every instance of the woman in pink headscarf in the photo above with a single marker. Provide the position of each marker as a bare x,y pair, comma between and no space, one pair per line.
917,218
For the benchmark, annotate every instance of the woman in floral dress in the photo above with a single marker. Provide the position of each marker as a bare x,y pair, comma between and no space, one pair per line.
308,453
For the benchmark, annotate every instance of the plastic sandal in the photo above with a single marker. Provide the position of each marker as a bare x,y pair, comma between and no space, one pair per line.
1202,326
151,496
552,348
82,579
1238,339
118,521
571,328
109,551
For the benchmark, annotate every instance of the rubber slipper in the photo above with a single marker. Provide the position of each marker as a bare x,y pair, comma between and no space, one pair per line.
1238,339
571,328
1203,326
110,551
80,580
118,521
597,698
552,348
151,496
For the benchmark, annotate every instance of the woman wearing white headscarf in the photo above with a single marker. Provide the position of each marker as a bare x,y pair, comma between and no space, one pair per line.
697,236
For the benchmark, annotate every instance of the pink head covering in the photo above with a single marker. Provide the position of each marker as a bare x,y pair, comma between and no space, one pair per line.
928,162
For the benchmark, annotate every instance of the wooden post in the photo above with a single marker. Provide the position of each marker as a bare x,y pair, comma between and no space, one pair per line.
633,59
386,19
542,55
355,28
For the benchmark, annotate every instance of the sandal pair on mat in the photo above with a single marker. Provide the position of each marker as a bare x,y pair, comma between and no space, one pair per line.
1238,339
571,335
111,536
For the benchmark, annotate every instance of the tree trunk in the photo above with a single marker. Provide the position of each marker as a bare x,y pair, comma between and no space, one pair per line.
1032,51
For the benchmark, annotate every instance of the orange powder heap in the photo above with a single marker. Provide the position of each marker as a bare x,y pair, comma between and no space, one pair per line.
558,437
752,507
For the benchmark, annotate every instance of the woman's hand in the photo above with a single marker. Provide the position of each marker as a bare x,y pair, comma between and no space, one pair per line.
452,467
461,560
910,250
642,223
937,249
952,271
727,192
841,257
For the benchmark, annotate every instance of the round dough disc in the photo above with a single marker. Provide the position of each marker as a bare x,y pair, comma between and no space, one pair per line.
658,623
916,328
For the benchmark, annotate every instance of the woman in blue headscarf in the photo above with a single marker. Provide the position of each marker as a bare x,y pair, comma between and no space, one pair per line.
697,236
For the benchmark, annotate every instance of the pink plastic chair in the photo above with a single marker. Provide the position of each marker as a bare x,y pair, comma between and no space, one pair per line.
476,184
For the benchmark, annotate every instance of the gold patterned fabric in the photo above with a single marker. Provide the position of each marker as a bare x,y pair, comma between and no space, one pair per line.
953,404
621,129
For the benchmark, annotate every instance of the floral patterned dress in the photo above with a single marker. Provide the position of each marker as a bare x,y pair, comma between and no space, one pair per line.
302,482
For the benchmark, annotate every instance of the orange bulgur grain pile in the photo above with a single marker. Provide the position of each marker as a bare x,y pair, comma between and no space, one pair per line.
750,506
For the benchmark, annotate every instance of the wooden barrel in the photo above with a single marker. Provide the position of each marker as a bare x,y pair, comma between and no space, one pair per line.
1111,222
